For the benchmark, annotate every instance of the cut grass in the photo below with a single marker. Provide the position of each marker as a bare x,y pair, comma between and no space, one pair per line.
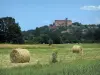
69,63
74,68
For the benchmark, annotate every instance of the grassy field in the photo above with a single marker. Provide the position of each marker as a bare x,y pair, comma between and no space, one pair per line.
68,63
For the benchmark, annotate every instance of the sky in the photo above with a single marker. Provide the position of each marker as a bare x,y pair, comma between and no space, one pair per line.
36,13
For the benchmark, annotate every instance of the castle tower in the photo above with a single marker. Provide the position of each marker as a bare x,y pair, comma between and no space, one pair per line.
66,20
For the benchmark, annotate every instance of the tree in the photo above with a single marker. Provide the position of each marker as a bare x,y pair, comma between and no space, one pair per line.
74,33
10,30
44,38
77,23
37,31
50,41
97,34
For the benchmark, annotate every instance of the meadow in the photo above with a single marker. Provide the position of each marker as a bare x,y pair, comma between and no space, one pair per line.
40,64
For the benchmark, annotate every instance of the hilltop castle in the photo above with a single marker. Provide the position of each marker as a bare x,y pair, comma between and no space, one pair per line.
65,22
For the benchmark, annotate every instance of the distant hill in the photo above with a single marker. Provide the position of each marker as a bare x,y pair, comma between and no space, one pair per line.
74,33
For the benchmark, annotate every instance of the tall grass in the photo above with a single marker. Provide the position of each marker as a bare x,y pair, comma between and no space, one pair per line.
74,68
69,63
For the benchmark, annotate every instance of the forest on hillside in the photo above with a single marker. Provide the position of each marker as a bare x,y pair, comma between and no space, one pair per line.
10,32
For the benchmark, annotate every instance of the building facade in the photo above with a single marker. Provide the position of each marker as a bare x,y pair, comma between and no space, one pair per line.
65,22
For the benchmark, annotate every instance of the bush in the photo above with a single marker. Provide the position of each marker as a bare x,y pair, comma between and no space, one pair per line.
54,56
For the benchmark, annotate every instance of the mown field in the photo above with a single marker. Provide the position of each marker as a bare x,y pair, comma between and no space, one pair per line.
68,63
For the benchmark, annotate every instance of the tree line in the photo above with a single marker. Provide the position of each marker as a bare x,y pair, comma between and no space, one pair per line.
10,32
75,33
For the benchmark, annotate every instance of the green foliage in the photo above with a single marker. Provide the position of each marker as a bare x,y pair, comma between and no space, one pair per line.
10,31
54,56
74,33
50,42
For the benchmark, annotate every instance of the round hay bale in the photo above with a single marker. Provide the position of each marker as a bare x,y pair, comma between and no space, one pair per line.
77,49
19,56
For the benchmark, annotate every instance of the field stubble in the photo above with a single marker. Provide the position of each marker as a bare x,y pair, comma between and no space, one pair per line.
42,55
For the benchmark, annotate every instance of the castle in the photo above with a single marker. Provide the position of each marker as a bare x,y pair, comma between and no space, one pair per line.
65,22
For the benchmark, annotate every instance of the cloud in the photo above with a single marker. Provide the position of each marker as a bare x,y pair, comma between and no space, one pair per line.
94,8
